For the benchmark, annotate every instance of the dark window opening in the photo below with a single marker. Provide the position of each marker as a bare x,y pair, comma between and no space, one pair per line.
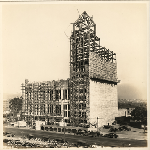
65,113
48,109
68,106
80,114
58,109
65,107
44,109
64,94
68,113
84,106
68,93
80,106
84,114
51,109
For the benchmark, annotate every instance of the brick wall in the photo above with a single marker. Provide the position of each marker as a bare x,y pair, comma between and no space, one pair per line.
101,69
103,102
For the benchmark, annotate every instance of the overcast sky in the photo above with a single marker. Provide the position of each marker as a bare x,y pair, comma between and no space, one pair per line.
35,42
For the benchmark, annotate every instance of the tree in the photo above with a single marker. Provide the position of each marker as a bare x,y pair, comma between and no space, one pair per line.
140,114
15,105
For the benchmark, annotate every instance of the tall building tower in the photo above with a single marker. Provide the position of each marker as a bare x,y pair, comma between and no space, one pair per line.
93,74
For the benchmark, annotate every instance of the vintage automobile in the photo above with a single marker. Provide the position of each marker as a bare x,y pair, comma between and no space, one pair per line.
80,132
111,135
124,128
113,129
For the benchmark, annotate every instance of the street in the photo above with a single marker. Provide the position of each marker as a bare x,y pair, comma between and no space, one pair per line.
102,141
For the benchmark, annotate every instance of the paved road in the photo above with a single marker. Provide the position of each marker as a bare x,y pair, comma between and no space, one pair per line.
102,141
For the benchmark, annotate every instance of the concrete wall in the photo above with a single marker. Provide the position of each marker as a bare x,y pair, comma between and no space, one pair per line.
103,102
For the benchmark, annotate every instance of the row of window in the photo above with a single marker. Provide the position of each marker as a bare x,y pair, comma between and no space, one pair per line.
66,113
79,76
50,109
51,95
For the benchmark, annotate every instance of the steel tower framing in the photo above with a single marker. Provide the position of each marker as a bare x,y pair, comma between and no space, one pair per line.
83,43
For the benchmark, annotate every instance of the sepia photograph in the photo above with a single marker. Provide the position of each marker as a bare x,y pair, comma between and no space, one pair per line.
75,74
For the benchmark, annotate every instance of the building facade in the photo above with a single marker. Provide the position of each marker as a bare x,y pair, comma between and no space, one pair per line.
46,101
90,95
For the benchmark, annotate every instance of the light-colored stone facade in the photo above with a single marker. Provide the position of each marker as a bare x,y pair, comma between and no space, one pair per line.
103,102
122,112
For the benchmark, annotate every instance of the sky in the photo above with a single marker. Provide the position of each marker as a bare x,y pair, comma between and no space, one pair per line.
35,44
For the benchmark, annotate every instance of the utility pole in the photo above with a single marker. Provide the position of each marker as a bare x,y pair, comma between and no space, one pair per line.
97,123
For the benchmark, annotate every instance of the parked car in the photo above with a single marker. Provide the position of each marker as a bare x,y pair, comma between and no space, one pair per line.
93,134
124,128
80,132
10,135
6,133
6,140
113,129
107,126
111,135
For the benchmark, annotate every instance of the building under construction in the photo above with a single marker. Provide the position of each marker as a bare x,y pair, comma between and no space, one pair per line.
91,92
46,101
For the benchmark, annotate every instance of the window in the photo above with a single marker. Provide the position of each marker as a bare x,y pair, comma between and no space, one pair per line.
65,107
51,94
68,93
68,106
80,106
44,109
58,109
81,90
51,108
80,114
84,106
57,94
68,113
65,113
84,114
48,109
64,94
